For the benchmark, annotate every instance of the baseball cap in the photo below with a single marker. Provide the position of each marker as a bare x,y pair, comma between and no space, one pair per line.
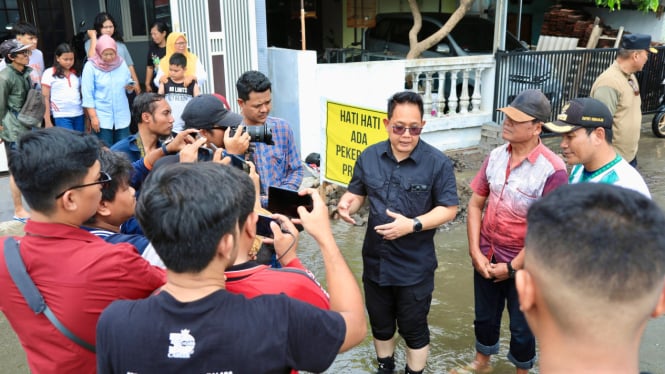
637,41
527,106
583,112
206,111
12,46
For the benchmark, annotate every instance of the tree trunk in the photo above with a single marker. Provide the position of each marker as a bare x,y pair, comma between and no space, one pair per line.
416,48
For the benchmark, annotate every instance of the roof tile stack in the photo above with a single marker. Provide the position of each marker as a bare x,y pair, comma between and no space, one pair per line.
559,21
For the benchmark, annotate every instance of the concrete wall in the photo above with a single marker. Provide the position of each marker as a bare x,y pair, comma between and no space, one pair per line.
634,21
301,89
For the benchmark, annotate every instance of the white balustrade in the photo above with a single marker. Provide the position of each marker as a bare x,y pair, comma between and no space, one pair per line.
445,83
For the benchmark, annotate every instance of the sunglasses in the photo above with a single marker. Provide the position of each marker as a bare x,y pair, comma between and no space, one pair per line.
634,86
399,130
104,180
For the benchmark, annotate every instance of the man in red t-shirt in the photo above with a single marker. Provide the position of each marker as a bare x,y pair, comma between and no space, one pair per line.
77,273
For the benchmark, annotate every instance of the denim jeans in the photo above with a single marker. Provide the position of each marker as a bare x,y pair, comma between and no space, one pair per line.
110,137
490,300
73,123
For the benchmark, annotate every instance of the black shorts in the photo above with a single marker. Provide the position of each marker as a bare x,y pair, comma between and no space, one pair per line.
405,307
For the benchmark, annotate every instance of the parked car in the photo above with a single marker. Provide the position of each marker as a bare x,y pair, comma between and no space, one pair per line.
472,35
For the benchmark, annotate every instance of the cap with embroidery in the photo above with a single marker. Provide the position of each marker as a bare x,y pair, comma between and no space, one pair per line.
584,112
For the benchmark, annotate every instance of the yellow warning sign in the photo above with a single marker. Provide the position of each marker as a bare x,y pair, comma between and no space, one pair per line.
349,130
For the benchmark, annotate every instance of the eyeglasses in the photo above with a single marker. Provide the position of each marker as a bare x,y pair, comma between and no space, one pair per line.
25,52
399,130
634,86
181,43
104,180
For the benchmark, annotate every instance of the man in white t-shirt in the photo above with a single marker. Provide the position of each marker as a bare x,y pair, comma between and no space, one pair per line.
586,128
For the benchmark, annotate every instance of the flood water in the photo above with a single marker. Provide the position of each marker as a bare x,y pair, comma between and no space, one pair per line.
451,316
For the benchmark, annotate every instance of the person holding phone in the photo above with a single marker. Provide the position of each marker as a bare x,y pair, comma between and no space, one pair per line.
398,252
194,318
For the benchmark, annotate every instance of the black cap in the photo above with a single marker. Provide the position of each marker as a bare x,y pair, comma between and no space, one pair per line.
12,46
584,112
637,41
205,112
527,106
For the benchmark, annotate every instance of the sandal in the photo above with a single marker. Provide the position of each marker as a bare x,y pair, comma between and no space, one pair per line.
21,219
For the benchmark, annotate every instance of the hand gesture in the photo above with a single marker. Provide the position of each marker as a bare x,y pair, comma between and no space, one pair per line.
343,208
395,229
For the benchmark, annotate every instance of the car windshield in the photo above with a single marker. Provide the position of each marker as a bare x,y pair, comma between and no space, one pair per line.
467,32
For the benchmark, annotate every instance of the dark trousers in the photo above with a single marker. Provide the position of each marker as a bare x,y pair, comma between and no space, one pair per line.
490,300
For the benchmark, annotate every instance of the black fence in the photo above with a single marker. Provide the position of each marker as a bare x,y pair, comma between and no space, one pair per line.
565,75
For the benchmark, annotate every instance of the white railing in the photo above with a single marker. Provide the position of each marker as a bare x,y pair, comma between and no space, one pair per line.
451,86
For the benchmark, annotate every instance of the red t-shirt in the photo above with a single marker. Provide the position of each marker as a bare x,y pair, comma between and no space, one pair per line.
78,274
252,279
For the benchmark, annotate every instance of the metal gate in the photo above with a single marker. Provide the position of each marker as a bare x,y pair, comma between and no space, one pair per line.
565,75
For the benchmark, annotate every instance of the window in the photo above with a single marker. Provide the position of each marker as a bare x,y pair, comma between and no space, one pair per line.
9,15
137,16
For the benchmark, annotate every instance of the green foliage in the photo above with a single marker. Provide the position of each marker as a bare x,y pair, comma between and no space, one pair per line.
643,5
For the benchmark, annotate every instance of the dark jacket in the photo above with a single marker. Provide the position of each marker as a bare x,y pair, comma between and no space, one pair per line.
14,87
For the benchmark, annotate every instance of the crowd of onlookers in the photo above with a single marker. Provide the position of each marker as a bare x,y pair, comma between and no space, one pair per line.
142,250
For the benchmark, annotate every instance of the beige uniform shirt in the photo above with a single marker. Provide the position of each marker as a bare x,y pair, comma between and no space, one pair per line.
613,89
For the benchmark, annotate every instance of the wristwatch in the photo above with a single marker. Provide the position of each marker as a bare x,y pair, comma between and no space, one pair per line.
511,271
417,225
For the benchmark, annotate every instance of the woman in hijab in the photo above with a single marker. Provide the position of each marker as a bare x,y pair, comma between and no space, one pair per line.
177,42
104,85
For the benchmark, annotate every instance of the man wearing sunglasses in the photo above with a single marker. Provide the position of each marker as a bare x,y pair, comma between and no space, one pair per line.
618,89
512,177
411,190
77,273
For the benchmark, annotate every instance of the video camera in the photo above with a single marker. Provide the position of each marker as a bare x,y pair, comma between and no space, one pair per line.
257,133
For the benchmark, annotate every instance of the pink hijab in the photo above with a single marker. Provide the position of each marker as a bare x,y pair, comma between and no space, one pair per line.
105,42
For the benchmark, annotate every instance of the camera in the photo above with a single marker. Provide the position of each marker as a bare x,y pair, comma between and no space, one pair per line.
258,133
205,154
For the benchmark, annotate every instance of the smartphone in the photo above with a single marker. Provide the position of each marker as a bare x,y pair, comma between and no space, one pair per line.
263,226
239,162
286,202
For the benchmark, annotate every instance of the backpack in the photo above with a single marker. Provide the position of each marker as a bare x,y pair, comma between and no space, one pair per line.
32,112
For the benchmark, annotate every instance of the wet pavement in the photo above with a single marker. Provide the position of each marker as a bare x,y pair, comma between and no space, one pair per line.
451,316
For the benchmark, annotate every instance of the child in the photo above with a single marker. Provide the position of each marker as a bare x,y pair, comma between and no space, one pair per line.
117,206
61,89
177,95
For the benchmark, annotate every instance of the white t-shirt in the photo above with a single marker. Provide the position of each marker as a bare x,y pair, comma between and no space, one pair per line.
65,94
620,174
